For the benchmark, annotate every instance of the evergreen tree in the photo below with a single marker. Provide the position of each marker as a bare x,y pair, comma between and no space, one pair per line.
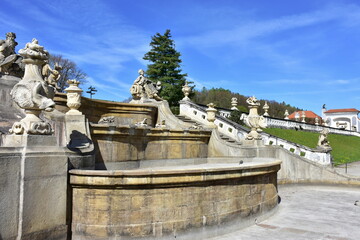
165,67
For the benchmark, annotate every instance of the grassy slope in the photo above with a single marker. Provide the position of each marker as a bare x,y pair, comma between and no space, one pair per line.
345,148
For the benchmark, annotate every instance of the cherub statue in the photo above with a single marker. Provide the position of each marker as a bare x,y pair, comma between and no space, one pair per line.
52,76
323,142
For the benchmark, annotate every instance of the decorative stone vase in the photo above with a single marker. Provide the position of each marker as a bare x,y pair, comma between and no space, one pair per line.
253,120
316,121
234,103
211,113
286,115
73,93
32,93
186,89
266,109
303,116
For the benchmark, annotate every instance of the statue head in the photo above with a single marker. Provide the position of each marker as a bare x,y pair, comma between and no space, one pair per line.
141,72
10,36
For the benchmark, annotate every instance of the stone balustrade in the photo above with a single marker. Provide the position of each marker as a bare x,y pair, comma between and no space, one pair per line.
238,132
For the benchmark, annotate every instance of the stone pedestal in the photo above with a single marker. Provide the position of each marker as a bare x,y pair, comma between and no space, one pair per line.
253,143
39,205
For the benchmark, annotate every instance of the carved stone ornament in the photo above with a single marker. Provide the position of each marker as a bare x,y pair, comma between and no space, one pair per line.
323,142
143,89
286,114
73,93
107,119
253,120
234,103
32,93
143,123
266,109
186,89
303,116
211,114
316,121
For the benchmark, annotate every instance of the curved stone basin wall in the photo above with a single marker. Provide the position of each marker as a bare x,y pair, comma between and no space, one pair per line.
125,113
160,201
116,145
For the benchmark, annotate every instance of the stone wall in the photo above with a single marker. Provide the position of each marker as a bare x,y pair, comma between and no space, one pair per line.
124,113
295,169
130,144
153,203
33,183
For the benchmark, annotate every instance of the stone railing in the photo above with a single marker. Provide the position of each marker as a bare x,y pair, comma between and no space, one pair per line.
229,128
314,155
290,124
225,126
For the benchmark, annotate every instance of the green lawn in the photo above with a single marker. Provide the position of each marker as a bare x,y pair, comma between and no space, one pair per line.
345,148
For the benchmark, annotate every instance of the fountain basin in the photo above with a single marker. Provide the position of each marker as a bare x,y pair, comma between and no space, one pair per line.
158,201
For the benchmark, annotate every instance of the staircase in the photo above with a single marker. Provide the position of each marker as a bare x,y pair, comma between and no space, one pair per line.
229,140
189,120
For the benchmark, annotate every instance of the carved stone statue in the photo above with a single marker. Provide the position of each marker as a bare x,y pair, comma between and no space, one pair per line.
144,89
51,76
323,142
253,120
32,93
10,62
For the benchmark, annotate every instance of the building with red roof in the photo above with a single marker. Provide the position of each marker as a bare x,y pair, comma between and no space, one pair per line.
346,118
310,117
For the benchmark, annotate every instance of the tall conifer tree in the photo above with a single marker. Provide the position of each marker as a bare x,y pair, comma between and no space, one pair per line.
165,67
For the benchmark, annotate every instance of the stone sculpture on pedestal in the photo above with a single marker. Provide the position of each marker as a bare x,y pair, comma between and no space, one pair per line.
186,89
323,143
144,90
32,93
10,62
234,103
253,120
51,76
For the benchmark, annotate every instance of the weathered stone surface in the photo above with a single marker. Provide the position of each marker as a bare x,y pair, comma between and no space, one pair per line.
123,113
116,144
174,199
9,192
34,182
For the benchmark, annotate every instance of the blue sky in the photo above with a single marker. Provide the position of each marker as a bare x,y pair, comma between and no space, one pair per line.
305,53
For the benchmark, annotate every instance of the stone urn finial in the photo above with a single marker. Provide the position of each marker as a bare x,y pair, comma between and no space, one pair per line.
234,103
316,121
186,89
33,93
253,120
73,93
211,114
303,116
266,109
286,114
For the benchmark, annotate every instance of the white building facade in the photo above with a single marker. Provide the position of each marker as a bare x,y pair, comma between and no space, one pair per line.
347,119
